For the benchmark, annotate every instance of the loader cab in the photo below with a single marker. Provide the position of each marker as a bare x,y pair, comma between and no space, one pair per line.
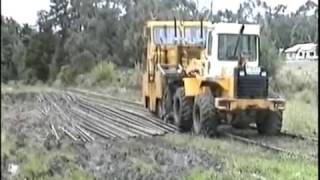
225,45
174,42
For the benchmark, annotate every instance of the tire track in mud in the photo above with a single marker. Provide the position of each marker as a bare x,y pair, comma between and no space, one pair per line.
146,158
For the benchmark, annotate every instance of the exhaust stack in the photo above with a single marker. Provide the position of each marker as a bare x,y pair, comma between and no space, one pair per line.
175,27
201,27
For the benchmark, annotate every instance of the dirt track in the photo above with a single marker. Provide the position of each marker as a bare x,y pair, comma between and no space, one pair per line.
138,158
126,158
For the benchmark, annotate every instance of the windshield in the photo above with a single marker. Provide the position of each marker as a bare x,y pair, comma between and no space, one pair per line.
164,35
192,35
227,43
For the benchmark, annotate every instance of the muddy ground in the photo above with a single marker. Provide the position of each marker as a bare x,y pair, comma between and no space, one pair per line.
138,158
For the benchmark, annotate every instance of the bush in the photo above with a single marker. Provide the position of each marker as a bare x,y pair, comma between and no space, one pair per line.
293,79
104,71
66,76
132,78
83,62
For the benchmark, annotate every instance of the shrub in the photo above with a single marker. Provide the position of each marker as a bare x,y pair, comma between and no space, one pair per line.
291,80
83,62
104,71
132,78
66,76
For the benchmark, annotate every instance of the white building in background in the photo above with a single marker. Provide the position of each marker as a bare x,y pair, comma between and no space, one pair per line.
302,52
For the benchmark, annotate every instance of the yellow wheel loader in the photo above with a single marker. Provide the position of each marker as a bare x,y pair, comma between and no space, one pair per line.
216,80
170,46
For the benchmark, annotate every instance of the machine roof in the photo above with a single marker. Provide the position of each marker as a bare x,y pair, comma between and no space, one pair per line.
235,28
171,23
303,47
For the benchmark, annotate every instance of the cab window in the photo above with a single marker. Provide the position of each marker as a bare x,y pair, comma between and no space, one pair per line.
192,35
164,35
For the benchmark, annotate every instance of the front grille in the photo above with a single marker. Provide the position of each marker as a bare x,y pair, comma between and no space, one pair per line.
251,86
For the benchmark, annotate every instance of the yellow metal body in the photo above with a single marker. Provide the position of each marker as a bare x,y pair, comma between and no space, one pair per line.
227,102
231,104
170,54
194,85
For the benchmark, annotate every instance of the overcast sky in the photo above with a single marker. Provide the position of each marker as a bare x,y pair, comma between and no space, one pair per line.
25,12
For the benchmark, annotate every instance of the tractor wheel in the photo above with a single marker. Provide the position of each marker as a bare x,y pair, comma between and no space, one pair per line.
182,110
159,110
269,122
166,102
240,125
205,119
241,120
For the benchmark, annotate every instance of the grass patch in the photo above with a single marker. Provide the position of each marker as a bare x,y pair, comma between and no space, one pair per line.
76,173
245,162
131,78
200,174
6,146
301,117
38,163
298,83
104,71
16,89
145,167
294,78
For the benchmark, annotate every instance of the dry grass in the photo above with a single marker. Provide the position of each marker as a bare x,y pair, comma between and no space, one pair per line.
298,83
301,118
295,77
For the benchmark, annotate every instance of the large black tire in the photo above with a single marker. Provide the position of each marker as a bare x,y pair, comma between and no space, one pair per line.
240,125
241,120
166,102
269,122
205,119
182,110
159,110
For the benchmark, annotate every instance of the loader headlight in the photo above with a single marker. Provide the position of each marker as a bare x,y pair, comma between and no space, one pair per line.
241,73
264,74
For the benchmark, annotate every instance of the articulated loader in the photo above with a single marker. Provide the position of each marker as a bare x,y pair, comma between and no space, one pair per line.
205,74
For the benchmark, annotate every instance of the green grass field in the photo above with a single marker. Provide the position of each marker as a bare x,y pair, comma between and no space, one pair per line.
298,83
245,162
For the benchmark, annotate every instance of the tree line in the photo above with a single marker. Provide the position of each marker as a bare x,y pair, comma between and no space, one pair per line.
75,35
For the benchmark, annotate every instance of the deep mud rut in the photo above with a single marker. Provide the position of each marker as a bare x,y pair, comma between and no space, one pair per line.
134,158
143,158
